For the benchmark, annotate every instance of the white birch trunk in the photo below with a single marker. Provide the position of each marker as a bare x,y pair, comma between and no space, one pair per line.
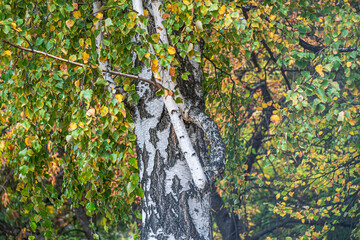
172,208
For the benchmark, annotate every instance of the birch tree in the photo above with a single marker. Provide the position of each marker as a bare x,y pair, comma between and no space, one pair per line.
150,71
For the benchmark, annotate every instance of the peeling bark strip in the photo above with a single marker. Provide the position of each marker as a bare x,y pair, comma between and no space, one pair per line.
217,146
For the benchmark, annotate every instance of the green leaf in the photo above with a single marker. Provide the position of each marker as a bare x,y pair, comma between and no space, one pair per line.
133,162
39,41
90,206
87,94
108,22
101,81
24,169
33,227
130,187
178,100
184,76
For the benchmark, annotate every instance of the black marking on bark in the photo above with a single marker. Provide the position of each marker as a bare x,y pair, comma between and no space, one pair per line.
153,136
164,121
190,227
174,154
176,185
142,110
144,160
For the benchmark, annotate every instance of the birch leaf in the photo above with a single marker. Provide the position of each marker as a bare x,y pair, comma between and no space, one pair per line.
104,111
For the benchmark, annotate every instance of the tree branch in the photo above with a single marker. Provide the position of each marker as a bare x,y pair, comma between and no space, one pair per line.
316,49
155,84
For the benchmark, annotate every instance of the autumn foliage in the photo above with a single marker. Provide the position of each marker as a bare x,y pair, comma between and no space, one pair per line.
281,81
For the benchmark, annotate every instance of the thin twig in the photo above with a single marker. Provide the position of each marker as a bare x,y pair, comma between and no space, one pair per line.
155,84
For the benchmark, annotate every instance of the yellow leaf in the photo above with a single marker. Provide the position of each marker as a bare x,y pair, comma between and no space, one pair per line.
318,202
132,16
85,57
13,25
171,50
28,142
275,119
291,194
222,10
81,42
119,97
286,198
272,17
352,122
103,58
73,126
52,28
348,64
103,111
157,76
147,55
7,52
319,69
69,23
146,12
186,2
155,65
99,15
155,62
77,14
278,196
166,93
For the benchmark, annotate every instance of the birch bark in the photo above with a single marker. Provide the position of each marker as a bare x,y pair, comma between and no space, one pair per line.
172,208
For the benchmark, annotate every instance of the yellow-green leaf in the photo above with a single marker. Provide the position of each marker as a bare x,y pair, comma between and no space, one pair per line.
104,111
77,14
69,23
